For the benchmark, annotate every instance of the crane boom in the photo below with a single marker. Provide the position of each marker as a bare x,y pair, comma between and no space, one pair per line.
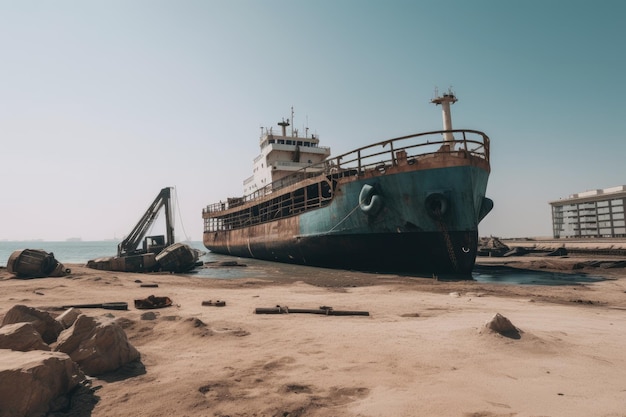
130,245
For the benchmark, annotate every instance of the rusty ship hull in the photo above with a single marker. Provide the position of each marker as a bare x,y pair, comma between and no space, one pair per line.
409,204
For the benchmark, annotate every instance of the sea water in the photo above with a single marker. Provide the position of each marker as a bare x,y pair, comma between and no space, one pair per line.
70,252
500,275
80,252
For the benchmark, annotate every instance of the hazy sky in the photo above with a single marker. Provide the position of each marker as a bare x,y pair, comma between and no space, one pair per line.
103,103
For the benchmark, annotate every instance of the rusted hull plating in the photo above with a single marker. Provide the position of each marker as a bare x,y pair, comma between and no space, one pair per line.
405,233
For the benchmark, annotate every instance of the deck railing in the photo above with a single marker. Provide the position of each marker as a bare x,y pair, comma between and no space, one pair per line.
378,156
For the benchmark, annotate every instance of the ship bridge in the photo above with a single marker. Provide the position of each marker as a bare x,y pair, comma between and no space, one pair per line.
282,154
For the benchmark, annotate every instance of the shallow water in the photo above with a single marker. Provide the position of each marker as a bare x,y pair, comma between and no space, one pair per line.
81,252
504,275
490,274
71,252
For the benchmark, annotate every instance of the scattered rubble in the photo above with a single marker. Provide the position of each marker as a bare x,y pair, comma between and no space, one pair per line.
35,383
22,337
503,326
98,345
153,302
492,246
42,321
43,358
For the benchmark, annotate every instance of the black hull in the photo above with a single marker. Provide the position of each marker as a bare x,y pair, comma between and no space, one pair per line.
432,254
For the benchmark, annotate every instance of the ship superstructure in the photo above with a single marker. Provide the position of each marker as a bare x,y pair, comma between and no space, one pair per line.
282,154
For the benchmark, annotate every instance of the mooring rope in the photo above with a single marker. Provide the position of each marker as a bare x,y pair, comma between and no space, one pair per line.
180,217
344,219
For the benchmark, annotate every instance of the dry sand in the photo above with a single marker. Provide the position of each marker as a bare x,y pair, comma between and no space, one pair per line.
423,351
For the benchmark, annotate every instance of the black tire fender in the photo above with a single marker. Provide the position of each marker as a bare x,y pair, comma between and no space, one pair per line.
436,205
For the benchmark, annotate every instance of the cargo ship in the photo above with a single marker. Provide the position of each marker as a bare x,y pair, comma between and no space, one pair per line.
409,204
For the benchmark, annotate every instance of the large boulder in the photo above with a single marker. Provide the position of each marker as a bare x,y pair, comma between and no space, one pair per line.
68,317
36,382
98,345
42,321
22,337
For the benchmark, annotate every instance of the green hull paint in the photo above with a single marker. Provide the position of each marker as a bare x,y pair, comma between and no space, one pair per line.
404,204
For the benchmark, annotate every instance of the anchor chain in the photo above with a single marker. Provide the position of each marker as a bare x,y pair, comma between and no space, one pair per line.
446,237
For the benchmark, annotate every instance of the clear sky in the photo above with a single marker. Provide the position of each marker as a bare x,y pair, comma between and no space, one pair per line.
103,103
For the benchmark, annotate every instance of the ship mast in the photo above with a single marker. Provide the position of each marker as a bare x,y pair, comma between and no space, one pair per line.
284,125
445,100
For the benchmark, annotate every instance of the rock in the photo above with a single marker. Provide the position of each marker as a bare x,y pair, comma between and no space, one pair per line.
503,326
150,315
36,382
22,337
42,321
68,317
98,345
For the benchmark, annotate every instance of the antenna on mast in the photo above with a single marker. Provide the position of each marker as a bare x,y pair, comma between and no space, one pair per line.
446,100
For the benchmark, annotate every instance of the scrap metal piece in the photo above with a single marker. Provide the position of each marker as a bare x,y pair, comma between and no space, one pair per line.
153,302
118,305
35,263
218,303
324,310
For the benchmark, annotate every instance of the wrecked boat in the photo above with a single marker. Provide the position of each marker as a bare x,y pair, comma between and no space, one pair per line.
178,257
35,263
156,253
408,204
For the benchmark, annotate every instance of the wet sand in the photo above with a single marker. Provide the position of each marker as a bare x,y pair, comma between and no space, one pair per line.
423,350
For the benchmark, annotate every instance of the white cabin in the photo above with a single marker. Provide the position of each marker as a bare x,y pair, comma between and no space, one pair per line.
282,155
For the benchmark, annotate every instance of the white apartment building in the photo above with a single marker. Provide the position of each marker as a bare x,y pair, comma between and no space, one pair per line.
596,213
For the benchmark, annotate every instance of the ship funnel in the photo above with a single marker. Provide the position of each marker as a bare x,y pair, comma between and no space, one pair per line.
445,100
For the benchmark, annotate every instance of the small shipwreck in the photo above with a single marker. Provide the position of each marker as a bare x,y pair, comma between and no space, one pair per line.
35,263
141,253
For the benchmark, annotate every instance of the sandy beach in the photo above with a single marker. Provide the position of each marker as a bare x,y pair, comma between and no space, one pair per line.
422,351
